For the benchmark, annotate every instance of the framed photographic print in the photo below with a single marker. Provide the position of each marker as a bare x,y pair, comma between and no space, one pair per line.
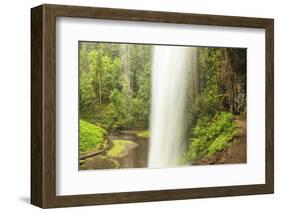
135,106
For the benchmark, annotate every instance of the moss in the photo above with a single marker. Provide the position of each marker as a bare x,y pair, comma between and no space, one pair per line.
211,135
219,144
91,136
143,134
139,133
120,147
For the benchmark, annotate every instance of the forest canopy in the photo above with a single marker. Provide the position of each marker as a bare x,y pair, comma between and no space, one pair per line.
115,85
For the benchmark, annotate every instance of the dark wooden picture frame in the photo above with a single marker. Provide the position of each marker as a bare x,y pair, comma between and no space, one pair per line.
43,105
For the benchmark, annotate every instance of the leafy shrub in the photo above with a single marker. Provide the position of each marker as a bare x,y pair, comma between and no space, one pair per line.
207,102
209,99
91,136
211,135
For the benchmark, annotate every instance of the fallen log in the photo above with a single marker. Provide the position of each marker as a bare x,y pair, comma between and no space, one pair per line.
92,154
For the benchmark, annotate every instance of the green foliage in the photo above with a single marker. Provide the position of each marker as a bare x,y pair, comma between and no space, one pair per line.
115,85
211,135
142,107
209,99
87,95
91,136
207,103
219,144
119,147
209,61
115,115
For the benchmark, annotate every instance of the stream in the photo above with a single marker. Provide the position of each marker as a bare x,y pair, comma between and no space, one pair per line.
138,156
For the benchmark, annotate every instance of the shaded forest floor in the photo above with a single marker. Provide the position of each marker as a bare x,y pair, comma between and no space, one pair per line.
235,152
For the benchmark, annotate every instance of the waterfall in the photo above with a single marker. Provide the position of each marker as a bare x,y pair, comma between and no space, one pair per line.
170,72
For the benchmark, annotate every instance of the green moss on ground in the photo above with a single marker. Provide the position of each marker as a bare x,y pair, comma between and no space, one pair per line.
91,136
211,135
120,147
143,134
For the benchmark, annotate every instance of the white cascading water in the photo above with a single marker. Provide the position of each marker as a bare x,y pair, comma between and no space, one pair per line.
171,66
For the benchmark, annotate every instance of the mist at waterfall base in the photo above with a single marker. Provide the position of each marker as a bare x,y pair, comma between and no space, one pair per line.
170,69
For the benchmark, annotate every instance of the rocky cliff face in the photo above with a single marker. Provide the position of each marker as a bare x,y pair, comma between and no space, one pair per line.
232,77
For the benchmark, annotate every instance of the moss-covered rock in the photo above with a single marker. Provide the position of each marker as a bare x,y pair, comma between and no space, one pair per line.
121,148
143,134
91,136
99,162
